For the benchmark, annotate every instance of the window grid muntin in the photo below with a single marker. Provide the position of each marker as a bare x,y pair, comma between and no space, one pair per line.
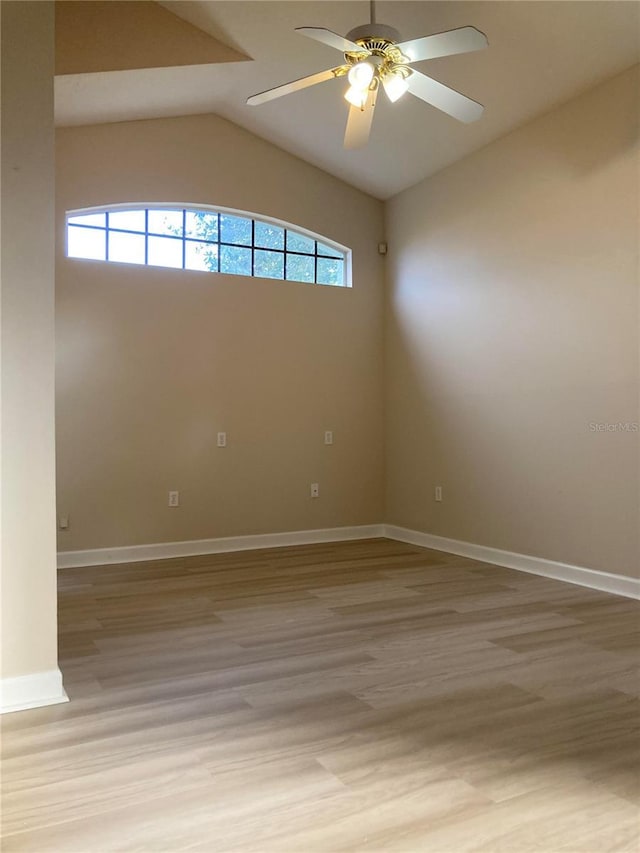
253,248
217,242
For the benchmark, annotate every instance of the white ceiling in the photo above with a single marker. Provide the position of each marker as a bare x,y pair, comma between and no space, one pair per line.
540,54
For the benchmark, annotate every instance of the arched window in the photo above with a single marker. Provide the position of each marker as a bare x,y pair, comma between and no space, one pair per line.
192,238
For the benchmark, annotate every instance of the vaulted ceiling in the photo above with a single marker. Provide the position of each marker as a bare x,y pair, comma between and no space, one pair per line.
120,61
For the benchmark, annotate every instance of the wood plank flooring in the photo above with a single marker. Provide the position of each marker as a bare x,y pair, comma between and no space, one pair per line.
362,696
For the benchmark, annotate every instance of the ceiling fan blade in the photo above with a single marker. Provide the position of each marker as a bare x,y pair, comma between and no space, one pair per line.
462,40
359,123
444,98
296,85
332,39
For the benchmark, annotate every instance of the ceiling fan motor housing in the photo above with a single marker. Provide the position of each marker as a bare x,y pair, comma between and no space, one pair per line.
376,38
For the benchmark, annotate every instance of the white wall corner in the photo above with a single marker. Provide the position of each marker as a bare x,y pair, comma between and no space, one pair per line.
31,691
602,581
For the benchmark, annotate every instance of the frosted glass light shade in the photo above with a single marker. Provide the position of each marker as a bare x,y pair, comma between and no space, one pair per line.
357,97
361,74
395,85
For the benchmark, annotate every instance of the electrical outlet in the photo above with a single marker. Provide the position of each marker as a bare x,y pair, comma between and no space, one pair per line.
222,439
315,490
174,498
63,522
438,494
328,436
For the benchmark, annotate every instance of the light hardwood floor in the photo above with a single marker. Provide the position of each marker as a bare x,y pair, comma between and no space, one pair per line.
348,697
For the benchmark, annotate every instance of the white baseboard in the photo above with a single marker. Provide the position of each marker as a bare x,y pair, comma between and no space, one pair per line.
31,691
603,581
195,547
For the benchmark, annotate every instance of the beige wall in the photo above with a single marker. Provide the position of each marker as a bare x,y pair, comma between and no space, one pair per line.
152,363
28,553
512,326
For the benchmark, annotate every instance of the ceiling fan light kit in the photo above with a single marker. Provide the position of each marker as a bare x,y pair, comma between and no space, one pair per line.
375,55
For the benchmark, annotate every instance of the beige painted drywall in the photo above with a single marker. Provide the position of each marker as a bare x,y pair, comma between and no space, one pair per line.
28,552
153,363
512,327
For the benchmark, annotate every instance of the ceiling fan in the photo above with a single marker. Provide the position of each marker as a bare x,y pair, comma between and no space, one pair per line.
374,57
